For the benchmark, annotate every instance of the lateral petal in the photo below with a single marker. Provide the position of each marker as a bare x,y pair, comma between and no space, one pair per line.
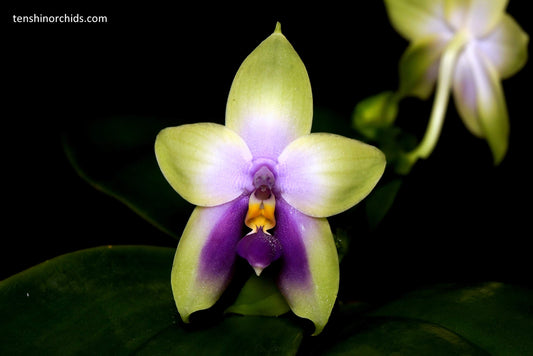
309,276
492,107
480,100
506,47
324,174
465,95
484,15
203,264
478,16
419,66
206,163
270,102
417,18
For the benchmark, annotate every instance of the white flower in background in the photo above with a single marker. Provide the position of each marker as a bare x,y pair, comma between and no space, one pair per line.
467,47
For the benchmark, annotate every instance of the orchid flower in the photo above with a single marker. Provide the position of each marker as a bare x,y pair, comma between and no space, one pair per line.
266,173
468,46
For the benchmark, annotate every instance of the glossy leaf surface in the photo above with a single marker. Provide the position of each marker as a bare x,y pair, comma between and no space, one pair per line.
117,301
495,316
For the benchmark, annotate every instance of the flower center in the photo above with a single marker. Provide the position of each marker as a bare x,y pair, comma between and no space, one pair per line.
263,192
259,247
264,178
262,203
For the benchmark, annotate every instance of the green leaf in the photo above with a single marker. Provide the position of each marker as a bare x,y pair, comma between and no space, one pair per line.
260,296
495,316
482,319
116,156
395,336
118,301
353,332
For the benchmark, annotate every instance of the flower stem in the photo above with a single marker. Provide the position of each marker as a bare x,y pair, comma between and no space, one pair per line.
446,68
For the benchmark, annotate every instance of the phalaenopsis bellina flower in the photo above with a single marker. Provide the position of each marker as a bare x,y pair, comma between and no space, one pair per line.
263,186
467,47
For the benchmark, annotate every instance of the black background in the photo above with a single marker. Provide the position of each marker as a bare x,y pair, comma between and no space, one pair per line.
457,217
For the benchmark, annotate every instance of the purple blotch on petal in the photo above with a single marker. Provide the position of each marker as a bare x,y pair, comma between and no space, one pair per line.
290,231
219,252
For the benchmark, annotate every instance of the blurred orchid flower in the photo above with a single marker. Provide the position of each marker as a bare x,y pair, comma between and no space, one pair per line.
467,46
264,170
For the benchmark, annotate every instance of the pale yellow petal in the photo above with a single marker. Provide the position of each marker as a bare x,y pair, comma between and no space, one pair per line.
207,164
417,18
324,174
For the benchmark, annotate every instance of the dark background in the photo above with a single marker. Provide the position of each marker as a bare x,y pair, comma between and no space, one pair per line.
456,218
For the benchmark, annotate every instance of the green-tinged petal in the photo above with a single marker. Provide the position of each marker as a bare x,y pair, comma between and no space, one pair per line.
417,18
270,102
465,95
207,164
203,264
309,276
419,66
478,16
506,47
480,101
324,174
492,109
